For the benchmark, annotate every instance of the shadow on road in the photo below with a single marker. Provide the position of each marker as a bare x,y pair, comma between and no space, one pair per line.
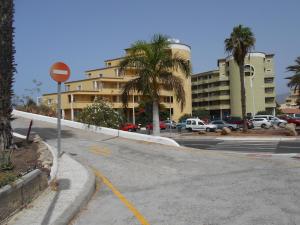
63,184
45,133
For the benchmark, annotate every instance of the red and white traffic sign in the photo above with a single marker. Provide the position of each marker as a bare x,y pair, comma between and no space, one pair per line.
60,72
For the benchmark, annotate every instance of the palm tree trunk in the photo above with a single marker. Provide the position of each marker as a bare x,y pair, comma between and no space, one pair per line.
5,134
243,98
156,127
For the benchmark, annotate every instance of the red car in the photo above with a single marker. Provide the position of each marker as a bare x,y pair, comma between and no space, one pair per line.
290,119
238,120
162,126
128,127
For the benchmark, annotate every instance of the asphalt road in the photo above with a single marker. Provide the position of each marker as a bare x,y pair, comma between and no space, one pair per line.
153,184
274,146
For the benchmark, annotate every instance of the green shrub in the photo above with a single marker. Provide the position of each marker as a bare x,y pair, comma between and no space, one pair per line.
100,114
6,178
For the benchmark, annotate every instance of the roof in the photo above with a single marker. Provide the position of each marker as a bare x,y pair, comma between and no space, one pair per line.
290,111
205,73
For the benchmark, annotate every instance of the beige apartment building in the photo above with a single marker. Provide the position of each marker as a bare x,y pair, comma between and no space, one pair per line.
291,100
107,83
218,91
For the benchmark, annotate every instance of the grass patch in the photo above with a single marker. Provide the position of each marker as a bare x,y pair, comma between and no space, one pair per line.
7,177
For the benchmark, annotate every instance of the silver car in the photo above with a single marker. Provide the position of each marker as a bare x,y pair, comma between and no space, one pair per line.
221,123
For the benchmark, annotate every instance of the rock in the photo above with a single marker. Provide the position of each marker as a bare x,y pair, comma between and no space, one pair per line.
37,138
225,131
291,129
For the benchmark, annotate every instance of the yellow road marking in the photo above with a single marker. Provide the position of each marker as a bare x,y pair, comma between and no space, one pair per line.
122,198
100,150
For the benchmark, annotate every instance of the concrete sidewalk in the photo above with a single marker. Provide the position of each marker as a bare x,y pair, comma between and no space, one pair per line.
76,186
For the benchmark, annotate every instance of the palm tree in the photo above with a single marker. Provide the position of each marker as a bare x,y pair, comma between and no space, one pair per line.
239,44
7,69
153,64
295,79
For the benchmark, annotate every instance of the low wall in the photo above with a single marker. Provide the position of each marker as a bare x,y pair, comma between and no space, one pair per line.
15,196
102,130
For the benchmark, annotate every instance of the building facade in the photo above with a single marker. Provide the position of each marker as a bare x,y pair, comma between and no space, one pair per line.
107,83
219,91
292,100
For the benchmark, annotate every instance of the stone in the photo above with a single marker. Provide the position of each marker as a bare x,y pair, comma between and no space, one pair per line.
225,131
291,129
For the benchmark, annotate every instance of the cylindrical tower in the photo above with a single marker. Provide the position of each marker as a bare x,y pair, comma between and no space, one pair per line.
183,51
255,75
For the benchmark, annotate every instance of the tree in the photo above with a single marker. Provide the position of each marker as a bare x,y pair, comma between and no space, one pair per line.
7,70
295,79
153,65
240,42
100,114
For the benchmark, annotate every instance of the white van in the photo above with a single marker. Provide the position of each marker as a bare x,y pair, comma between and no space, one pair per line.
195,124
273,119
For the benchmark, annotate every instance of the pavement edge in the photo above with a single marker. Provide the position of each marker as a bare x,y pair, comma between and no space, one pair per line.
81,200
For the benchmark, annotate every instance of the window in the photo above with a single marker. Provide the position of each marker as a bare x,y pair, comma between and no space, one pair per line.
200,123
114,99
269,90
268,70
100,75
227,73
79,87
67,88
193,122
108,64
188,122
69,98
49,101
269,80
249,70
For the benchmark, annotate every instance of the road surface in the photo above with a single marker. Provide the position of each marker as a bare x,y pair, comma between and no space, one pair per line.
274,146
145,183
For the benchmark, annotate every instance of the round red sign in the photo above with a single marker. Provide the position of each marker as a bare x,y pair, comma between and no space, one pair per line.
60,72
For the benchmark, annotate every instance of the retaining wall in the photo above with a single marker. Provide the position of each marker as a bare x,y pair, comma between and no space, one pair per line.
102,130
15,196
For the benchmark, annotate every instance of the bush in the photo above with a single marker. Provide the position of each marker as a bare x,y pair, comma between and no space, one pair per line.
100,114
32,107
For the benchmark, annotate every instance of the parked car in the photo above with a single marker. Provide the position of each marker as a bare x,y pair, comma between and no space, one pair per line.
170,124
290,119
273,119
162,126
195,124
221,123
181,124
261,122
239,121
128,127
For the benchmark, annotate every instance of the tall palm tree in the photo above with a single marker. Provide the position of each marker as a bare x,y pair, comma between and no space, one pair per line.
153,64
295,79
7,69
240,42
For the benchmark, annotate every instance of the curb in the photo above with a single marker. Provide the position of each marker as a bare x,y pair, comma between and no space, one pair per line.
83,195
81,200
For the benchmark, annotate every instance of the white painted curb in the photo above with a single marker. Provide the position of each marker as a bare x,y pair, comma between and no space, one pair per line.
102,130
54,167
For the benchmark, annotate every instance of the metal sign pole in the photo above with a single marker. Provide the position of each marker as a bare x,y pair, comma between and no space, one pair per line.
58,119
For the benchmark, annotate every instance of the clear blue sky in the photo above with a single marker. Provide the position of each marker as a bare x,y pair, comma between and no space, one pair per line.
85,33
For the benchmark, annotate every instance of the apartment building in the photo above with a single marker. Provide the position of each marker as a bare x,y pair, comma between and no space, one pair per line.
107,83
218,91
292,100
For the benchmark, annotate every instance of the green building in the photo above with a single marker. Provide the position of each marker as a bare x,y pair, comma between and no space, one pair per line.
218,91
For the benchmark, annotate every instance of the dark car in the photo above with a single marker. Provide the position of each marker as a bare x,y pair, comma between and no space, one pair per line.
239,121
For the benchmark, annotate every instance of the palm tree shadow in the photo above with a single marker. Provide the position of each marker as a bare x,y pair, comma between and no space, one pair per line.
64,184
45,133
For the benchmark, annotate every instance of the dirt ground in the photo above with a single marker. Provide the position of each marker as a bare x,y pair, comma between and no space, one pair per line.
24,159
